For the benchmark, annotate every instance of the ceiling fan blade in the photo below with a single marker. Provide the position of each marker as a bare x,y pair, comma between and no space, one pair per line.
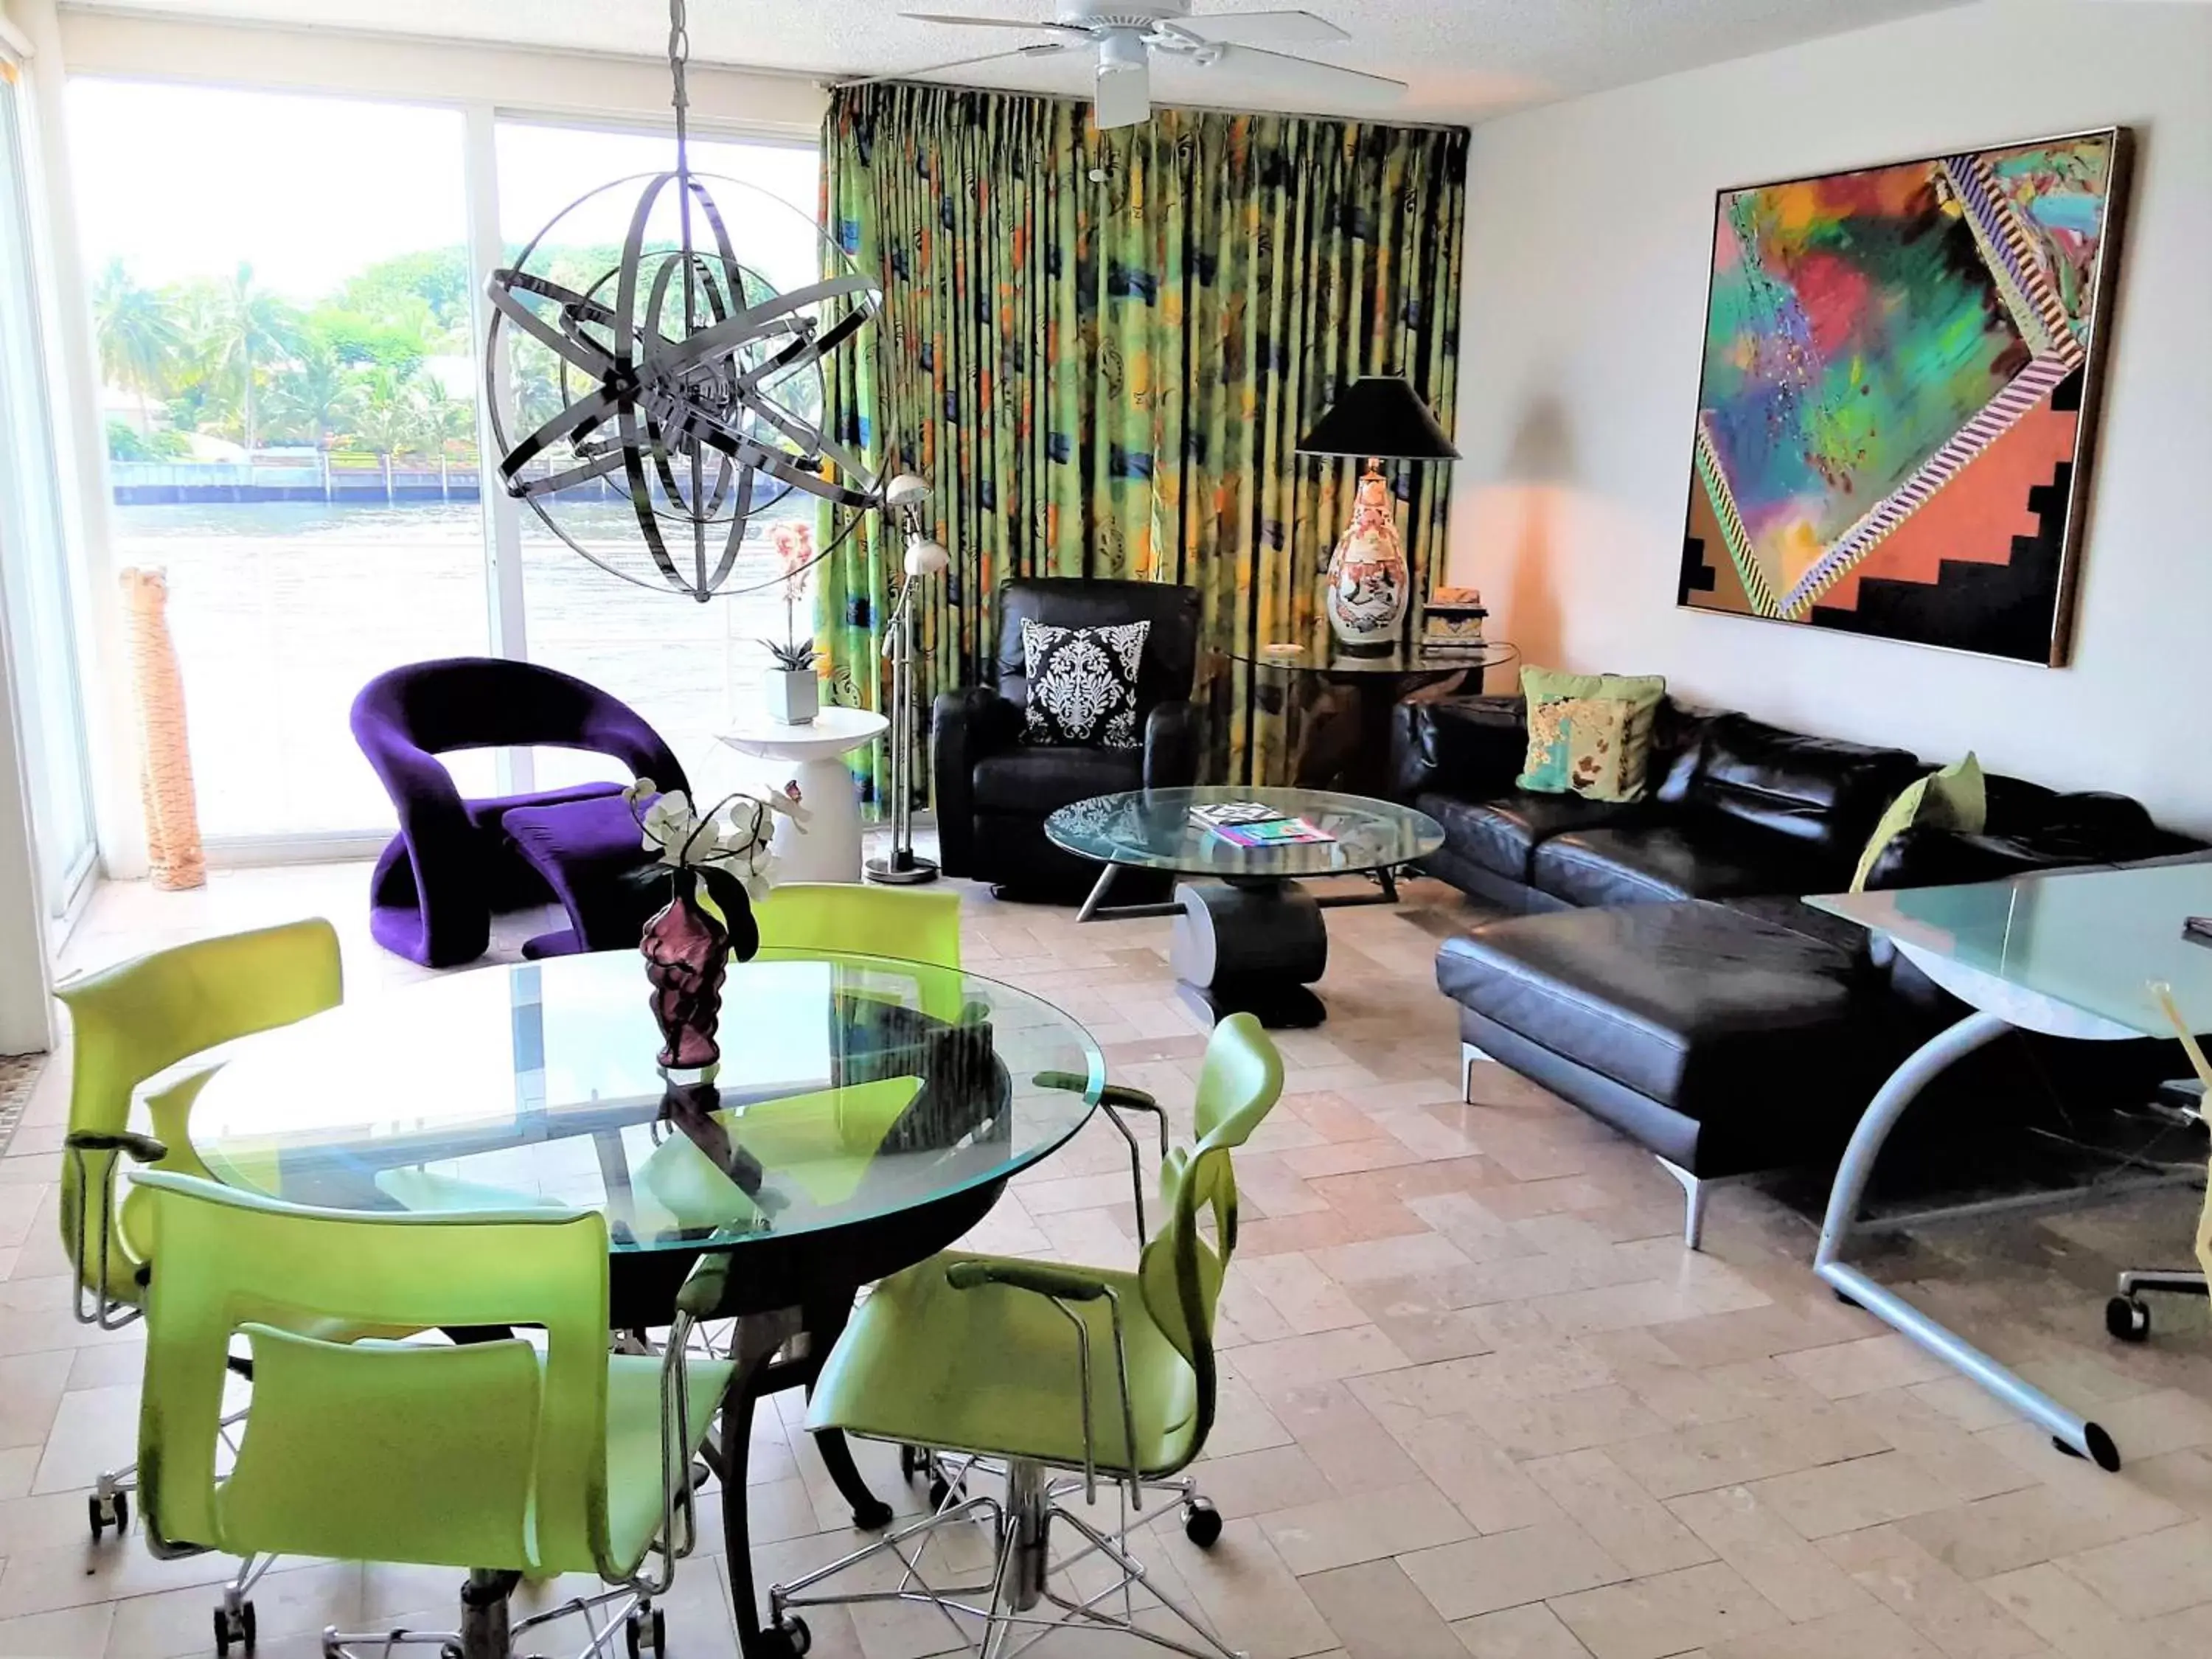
1304,75
1037,49
1271,28
989,22
1125,99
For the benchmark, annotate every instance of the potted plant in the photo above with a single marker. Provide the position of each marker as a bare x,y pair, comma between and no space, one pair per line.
794,694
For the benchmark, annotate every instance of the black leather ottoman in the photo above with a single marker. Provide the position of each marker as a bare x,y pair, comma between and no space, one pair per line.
1726,1043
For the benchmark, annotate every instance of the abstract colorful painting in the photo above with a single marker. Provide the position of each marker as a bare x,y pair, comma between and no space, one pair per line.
1894,417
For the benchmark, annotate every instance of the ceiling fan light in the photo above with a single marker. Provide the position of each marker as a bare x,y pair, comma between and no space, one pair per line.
1122,52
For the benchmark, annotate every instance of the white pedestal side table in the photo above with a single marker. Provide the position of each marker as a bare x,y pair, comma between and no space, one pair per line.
829,847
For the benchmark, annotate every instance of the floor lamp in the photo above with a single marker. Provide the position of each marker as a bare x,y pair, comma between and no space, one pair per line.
902,866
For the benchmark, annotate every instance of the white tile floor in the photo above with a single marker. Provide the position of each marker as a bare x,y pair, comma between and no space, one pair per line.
1476,1399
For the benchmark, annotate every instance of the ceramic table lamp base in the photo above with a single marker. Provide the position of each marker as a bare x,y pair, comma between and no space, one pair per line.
1368,580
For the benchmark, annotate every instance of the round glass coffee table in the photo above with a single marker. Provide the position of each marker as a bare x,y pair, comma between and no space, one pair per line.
1251,938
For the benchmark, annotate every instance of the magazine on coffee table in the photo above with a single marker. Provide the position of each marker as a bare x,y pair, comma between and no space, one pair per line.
1277,832
1214,814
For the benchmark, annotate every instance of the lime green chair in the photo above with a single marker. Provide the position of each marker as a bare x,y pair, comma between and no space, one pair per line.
502,1457
845,918
131,1023
1065,1375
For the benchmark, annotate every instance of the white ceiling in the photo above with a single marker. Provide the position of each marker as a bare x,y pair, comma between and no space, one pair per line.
1465,58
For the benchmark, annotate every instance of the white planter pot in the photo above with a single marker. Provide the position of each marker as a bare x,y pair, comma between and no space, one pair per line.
794,696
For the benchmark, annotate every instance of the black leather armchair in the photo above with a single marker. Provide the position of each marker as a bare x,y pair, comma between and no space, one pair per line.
994,791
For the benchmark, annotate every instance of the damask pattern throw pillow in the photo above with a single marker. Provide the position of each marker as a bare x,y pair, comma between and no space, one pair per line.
1083,684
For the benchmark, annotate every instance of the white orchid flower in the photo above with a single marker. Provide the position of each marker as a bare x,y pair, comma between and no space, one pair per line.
667,824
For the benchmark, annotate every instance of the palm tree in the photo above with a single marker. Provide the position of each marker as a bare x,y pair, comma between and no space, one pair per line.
314,394
448,423
245,327
388,421
141,337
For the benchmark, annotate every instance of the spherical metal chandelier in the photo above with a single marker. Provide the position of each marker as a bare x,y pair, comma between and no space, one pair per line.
678,381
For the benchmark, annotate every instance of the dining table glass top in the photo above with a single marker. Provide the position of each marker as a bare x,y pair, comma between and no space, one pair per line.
849,1088
2095,940
1152,829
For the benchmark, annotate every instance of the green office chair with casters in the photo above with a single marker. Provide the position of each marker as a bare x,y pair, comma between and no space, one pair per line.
506,1459
1067,1376
131,1023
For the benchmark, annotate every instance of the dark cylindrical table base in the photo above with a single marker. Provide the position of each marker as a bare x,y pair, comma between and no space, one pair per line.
1252,947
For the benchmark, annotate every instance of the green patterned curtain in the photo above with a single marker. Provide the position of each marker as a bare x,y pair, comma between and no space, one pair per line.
1101,350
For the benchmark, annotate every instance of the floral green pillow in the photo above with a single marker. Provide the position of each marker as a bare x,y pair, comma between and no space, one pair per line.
1589,734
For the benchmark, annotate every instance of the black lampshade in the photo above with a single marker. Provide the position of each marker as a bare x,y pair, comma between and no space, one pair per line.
1380,416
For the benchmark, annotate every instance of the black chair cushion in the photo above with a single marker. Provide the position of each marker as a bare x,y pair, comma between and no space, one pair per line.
1821,791
1690,856
1500,834
1033,781
1703,1008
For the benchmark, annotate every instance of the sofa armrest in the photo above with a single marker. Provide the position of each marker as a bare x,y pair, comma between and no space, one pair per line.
1470,747
965,726
1171,739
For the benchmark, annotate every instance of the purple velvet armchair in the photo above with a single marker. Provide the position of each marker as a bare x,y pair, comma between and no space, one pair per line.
456,861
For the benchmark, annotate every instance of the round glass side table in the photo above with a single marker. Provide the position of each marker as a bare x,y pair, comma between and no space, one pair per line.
1344,739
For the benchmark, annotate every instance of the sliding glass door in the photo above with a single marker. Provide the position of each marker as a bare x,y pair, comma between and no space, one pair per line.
283,292
34,567
281,301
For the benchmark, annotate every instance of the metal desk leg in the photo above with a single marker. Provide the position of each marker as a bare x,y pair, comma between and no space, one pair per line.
1929,1060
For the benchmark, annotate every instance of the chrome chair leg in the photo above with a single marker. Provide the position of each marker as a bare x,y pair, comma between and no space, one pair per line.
1022,1601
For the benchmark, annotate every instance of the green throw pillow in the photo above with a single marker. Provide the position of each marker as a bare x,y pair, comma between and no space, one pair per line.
1956,797
1589,734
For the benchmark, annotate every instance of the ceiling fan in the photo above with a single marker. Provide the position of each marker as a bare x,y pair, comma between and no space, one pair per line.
1126,33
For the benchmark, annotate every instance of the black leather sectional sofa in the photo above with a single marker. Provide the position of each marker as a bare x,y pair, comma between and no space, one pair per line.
1661,972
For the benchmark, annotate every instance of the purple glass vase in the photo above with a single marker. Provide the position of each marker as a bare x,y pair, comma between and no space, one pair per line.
687,951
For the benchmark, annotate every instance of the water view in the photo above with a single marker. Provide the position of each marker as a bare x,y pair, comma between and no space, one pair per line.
282,611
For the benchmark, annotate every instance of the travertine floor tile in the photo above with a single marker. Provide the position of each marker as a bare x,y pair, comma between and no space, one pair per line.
1533,1632
1773,1559
1338,1532
1506,1569
1693,1606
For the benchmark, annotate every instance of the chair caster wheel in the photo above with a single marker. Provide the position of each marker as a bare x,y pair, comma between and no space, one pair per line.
2126,1317
912,1460
790,1636
234,1628
938,1492
876,1516
101,1513
1201,1522
645,1632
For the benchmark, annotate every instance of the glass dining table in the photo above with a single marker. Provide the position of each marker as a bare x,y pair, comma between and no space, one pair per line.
866,1112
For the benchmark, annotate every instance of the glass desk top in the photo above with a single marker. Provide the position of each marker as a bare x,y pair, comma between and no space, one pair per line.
1320,653
2091,940
849,1088
1151,828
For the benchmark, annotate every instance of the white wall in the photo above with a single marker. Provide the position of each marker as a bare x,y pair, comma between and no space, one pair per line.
1590,228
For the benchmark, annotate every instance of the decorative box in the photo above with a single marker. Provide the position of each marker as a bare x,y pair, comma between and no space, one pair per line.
1453,616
